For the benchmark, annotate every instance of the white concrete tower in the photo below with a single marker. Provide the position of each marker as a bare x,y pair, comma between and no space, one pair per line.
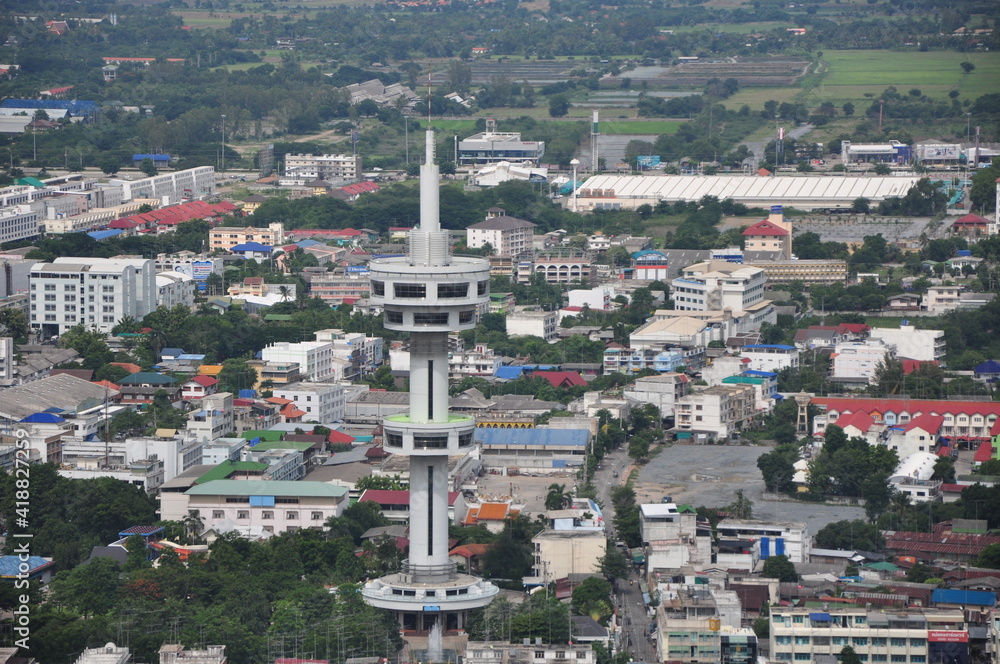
428,294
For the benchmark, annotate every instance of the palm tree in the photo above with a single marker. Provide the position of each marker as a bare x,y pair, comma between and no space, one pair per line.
557,498
284,292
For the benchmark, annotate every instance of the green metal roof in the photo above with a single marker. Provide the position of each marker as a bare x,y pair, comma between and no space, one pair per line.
227,468
144,377
302,446
278,317
743,380
882,567
263,434
300,489
32,182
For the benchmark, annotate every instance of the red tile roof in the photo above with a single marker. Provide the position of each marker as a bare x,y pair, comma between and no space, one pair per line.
291,412
929,423
971,220
852,328
985,452
339,437
766,227
913,406
176,214
860,421
470,550
561,378
204,381
909,366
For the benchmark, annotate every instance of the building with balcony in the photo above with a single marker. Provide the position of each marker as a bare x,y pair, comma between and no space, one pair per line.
322,402
508,236
961,420
716,412
662,391
771,357
329,167
674,536
490,147
883,635
557,269
716,285
227,237
913,344
315,358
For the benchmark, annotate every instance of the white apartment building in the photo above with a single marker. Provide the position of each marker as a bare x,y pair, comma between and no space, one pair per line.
18,223
716,412
533,323
508,236
327,167
274,505
717,285
911,343
493,652
7,365
480,361
771,357
775,538
213,419
685,619
173,288
942,299
362,353
662,391
853,359
322,402
315,358
595,299
914,635
94,292
171,188
176,452
674,539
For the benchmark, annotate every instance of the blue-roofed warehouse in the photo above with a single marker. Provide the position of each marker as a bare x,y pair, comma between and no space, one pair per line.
988,371
533,450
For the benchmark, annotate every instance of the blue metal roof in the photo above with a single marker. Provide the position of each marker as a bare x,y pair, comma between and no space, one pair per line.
154,157
820,617
251,246
508,372
989,367
774,346
9,565
762,374
172,352
973,597
534,437
73,105
104,235
43,418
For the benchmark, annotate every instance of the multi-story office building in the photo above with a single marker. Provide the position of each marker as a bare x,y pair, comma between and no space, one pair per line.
339,285
328,167
911,343
18,224
859,360
557,269
662,391
771,357
94,292
811,271
532,323
690,619
913,635
716,285
322,402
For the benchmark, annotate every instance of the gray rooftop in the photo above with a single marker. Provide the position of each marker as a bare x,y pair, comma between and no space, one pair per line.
501,223
62,392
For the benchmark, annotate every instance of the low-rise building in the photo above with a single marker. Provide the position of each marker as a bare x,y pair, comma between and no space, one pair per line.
508,236
315,358
662,391
771,357
560,553
534,323
774,538
227,237
860,360
322,402
716,285
537,450
717,412
492,652
885,635
912,343
674,536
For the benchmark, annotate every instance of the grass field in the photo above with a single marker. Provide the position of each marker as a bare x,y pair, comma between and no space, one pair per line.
743,28
853,73
640,127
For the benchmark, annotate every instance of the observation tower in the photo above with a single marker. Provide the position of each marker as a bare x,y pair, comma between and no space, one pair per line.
428,294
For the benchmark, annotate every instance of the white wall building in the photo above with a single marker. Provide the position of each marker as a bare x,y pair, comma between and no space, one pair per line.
674,539
662,391
911,343
213,419
365,354
771,357
171,188
717,285
595,299
717,411
315,358
327,167
173,288
776,538
508,236
94,292
853,359
533,323
913,477
18,223
322,402
176,452
7,365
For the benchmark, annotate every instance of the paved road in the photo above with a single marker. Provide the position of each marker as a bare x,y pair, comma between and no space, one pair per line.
628,596
757,147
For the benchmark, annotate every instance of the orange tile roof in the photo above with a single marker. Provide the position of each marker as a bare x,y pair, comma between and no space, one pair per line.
493,511
127,366
210,369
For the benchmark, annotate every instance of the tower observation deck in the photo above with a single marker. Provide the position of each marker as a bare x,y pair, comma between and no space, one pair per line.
428,294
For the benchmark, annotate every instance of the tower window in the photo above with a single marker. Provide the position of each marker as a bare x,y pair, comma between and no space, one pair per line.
411,291
446,291
378,287
430,318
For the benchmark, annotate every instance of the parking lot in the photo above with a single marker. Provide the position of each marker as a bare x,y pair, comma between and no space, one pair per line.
710,476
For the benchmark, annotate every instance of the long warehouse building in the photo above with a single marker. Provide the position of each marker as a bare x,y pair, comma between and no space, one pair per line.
623,192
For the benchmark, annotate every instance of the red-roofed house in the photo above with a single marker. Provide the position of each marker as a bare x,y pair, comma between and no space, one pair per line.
492,515
395,504
469,555
971,225
561,378
198,387
965,421
768,236
909,366
860,425
920,434
340,438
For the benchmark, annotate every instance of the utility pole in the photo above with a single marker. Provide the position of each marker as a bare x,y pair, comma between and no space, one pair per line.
223,142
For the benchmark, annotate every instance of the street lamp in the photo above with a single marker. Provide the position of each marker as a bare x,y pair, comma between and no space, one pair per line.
406,126
223,142
574,163
777,141
968,127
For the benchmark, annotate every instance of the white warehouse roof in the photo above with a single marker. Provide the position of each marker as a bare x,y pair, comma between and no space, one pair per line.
803,192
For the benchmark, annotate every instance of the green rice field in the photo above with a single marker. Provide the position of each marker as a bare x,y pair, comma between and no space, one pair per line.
639,126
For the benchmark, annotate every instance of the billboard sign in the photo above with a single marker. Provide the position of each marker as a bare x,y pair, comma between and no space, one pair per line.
648,160
947,637
201,269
